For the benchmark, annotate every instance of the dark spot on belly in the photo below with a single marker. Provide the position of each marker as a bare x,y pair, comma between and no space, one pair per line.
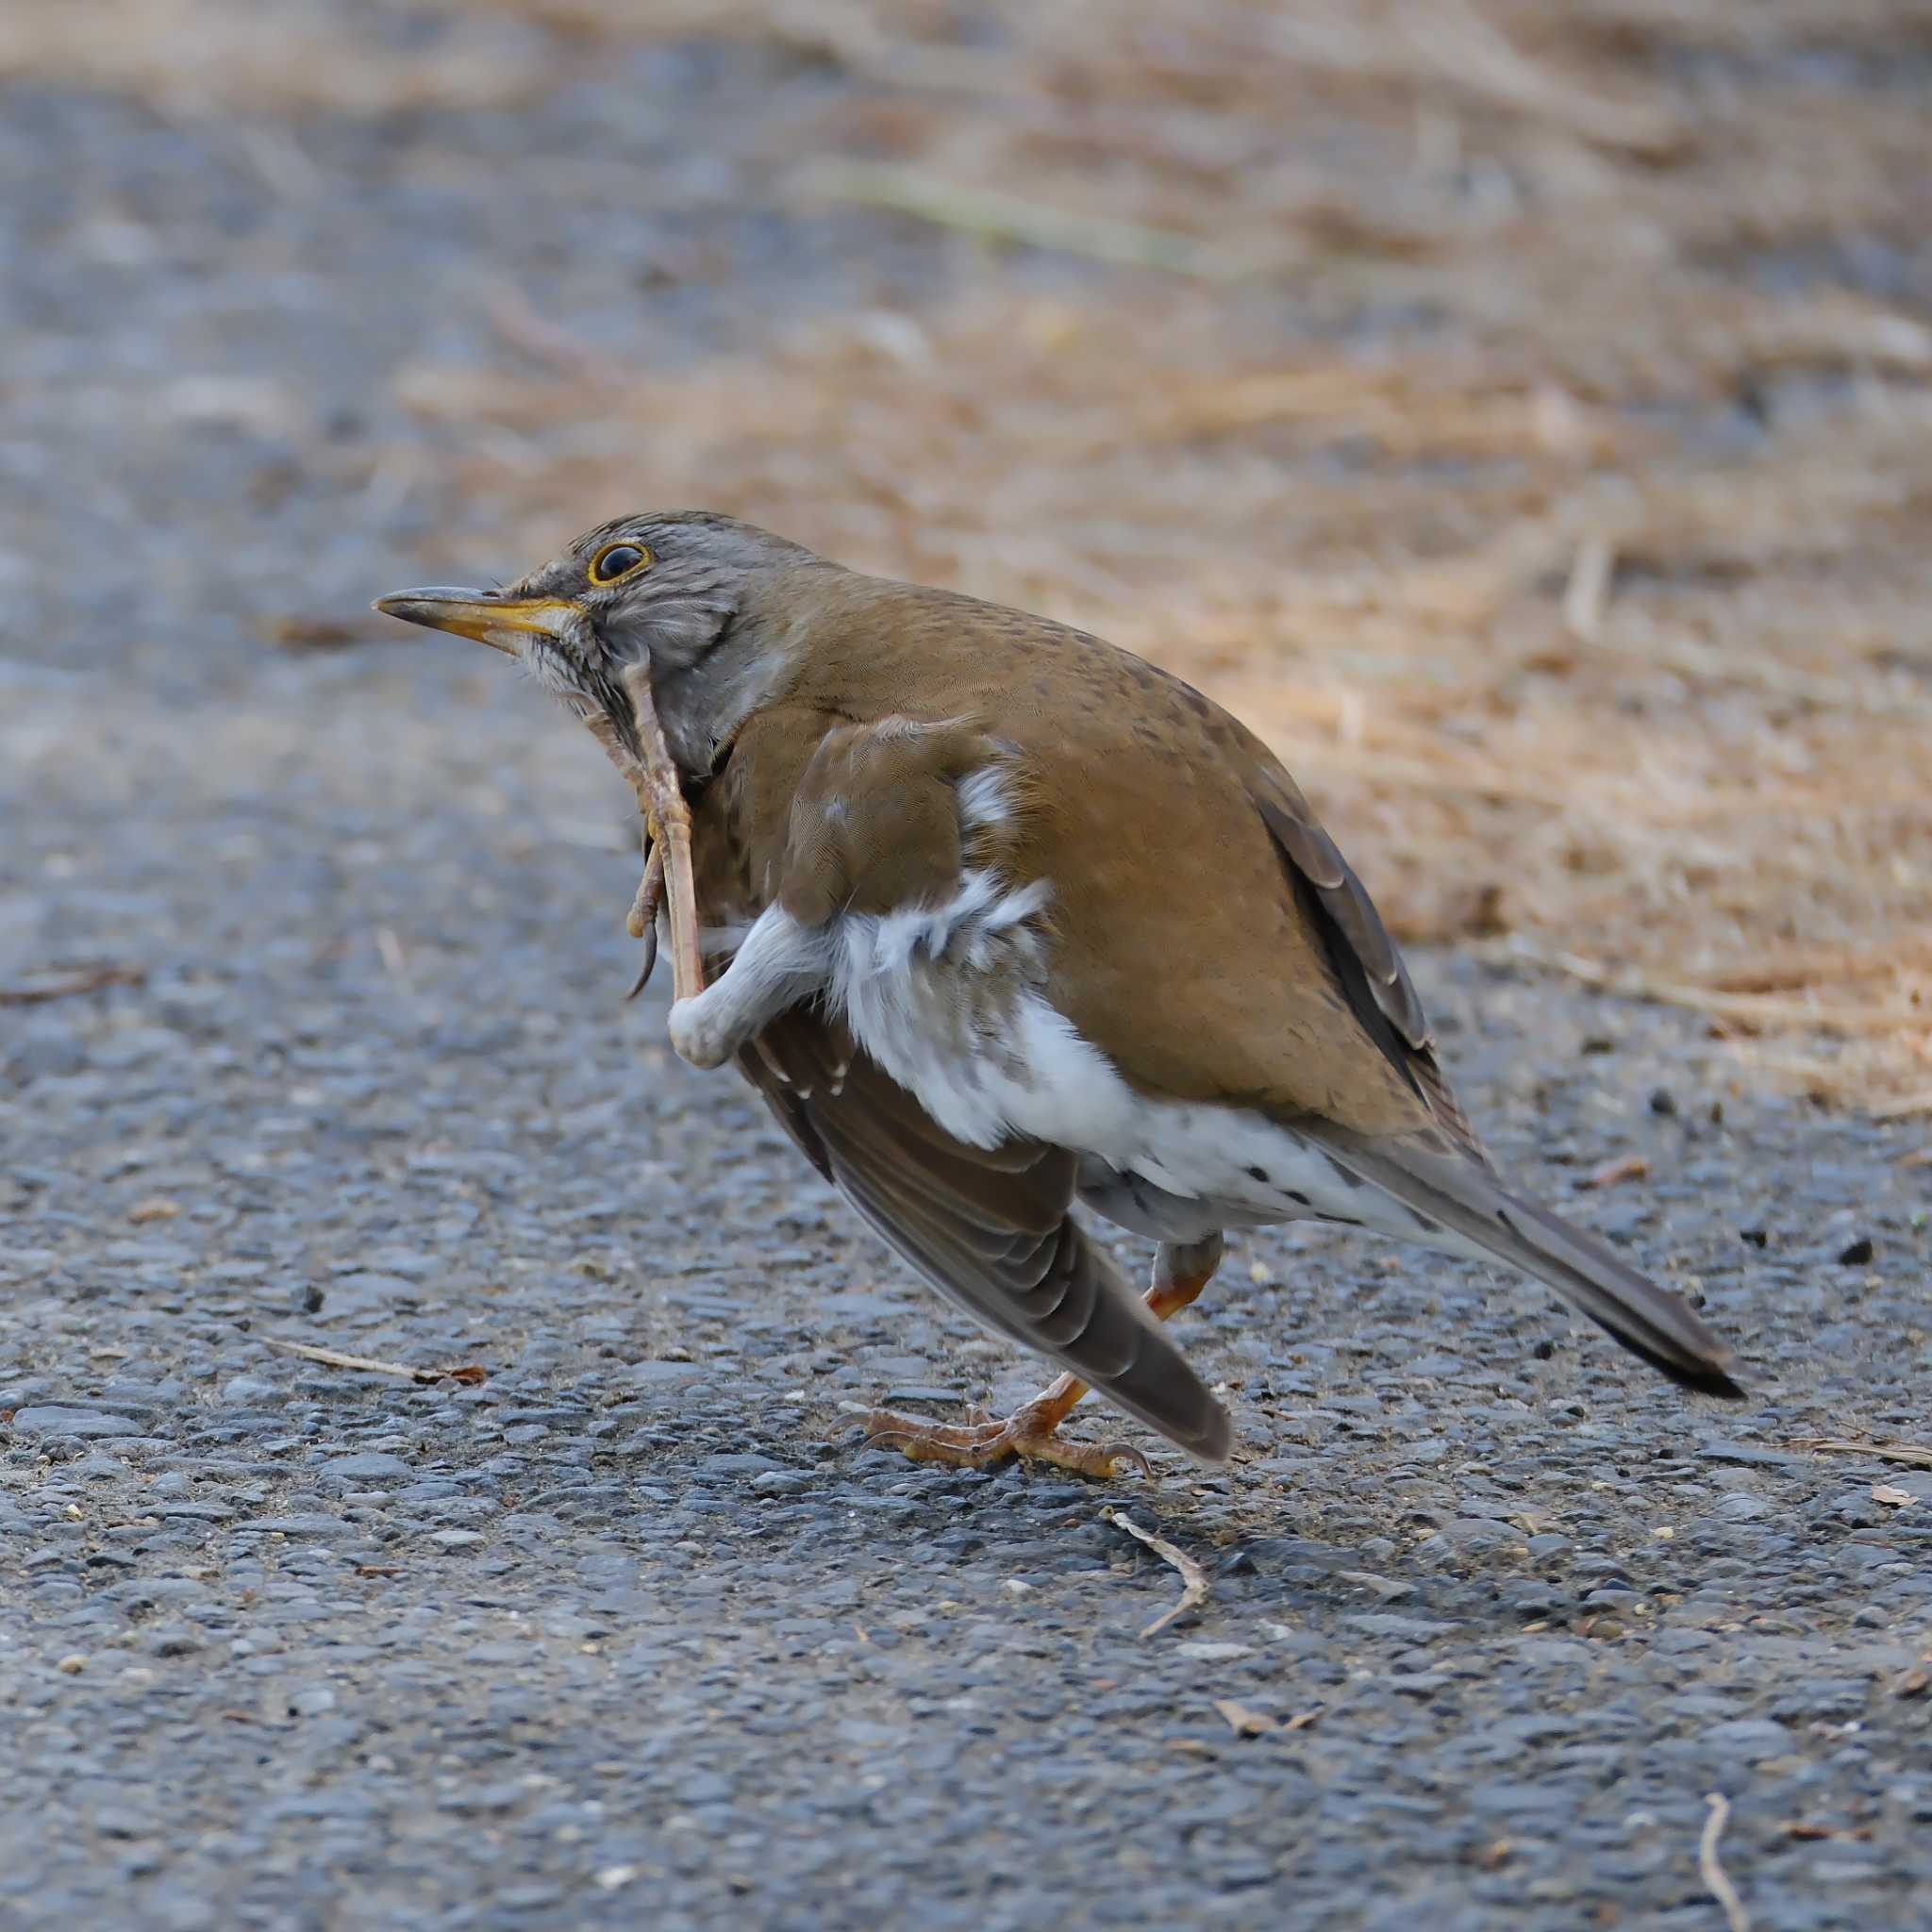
1348,1179
1300,1200
1258,1173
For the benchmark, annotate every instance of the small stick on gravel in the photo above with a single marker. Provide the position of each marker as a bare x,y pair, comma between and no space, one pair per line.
1625,1167
1243,1722
1588,591
1898,1109
1885,1452
1721,1887
60,986
334,1359
1013,218
1193,1578
1746,1009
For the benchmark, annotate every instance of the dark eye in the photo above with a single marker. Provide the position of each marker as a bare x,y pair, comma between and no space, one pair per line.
618,560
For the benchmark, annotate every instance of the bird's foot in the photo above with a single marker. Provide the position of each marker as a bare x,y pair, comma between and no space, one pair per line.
1029,1433
699,1033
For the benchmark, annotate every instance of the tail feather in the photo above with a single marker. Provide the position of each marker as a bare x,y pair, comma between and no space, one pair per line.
1469,1201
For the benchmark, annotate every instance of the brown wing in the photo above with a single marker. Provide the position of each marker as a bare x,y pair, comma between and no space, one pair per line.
875,824
1360,950
990,1229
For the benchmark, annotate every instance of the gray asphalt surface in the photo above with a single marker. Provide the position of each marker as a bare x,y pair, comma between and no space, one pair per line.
632,1631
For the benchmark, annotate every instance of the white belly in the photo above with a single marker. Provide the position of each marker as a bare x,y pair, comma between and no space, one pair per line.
932,996
952,1001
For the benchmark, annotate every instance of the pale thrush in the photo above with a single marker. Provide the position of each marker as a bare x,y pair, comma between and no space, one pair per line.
1004,918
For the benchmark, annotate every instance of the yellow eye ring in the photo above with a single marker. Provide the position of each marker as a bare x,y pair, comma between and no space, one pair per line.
616,561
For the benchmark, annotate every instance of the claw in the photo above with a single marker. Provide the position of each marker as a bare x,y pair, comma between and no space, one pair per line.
1027,1436
1180,1273
642,923
649,936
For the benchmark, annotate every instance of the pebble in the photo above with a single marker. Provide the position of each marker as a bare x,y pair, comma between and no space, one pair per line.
367,1465
54,1421
783,1482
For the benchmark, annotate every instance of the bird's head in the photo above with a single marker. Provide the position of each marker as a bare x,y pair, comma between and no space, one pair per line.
685,595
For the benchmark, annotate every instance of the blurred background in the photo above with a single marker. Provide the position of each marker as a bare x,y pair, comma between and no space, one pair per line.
1522,415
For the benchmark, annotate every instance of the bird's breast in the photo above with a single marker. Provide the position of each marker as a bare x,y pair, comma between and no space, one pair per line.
951,998
956,1002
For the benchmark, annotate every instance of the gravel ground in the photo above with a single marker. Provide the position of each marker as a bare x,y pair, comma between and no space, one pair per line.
632,1629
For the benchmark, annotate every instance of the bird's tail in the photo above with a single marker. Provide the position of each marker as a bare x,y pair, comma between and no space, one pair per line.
1465,1198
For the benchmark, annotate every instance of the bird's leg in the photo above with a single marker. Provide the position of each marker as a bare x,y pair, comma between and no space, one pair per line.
1181,1271
778,962
661,797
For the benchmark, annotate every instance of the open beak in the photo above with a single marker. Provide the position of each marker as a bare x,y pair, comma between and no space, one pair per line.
497,621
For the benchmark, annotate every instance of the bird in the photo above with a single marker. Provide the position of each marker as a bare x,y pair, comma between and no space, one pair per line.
1000,919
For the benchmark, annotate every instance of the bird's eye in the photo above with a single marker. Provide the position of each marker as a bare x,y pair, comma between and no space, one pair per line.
618,560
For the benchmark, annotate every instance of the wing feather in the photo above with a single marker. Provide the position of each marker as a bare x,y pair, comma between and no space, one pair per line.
1361,952
990,1229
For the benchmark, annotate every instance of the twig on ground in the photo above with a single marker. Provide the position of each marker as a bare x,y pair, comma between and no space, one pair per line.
1745,1008
1689,658
1904,1105
390,950
60,986
1713,1873
997,217
1885,1452
293,631
1473,54
1589,592
1243,1721
524,327
1193,1578
1780,968
335,1358
1625,1167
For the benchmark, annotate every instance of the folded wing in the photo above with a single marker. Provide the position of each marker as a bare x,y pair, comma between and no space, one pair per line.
988,1228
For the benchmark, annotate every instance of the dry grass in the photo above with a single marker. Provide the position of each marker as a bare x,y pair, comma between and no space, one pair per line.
1471,395
1711,772
238,58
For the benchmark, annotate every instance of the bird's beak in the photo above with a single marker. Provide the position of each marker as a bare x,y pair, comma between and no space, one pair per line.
492,620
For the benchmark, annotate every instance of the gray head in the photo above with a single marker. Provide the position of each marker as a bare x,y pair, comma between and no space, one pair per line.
685,594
